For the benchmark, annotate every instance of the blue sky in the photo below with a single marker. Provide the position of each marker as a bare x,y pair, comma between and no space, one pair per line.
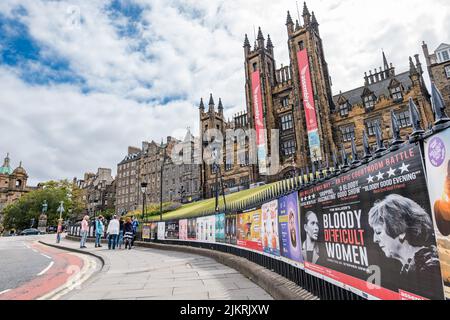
84,79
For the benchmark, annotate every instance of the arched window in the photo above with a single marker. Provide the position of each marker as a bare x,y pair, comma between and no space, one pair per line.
18,183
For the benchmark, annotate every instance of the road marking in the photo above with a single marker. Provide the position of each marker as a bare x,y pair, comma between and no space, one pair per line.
35,250
46,269
46,256
5,291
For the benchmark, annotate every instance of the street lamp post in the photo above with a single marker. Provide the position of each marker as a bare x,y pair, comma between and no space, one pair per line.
163,160
144,190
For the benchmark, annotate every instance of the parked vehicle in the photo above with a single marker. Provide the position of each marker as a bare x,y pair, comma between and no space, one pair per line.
29,232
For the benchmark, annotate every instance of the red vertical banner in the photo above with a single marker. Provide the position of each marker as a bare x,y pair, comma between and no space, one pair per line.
309,105
259,121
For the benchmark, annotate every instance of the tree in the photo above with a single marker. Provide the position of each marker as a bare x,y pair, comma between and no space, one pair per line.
21,213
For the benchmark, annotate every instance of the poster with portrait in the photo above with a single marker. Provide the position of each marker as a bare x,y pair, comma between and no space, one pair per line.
269,228
182,226
161,230
437,161
192,229
370,230
288,219
230,228
249,230
172,230
220,228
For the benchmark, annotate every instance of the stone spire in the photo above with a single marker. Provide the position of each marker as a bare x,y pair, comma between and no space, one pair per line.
438,106
412,67
269,43
260,39
246,42
385,62
211,103
306,15
201,106
220,107
289,19
314,22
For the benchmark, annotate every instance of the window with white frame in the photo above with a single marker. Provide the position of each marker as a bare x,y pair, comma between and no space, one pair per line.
288,147
287,122
403,119
344,109
371,126
447,71
396,93
445,56
369,101
348,132
285,101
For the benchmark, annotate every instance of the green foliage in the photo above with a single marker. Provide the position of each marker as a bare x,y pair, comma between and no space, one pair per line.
20,214
152,210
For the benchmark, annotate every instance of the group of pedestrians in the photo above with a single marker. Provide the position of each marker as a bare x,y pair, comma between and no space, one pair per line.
118,232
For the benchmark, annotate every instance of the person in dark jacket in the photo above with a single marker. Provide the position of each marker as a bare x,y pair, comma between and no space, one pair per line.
128,233
121,234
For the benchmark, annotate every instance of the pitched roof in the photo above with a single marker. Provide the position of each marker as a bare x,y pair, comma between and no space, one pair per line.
443,46
379,89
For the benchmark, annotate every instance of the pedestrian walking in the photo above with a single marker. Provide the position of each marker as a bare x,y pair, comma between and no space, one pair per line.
120,237
59,230
99,230
135,224
128,233
113,232
84,231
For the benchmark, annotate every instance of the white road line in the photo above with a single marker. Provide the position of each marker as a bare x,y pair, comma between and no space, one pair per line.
5,291
35,250
46,269
46,256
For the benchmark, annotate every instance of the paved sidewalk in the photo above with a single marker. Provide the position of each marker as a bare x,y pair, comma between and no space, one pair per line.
149,274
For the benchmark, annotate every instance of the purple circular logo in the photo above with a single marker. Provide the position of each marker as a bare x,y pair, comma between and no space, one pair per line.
436,151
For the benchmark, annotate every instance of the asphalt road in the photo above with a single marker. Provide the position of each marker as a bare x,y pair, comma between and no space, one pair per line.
19,263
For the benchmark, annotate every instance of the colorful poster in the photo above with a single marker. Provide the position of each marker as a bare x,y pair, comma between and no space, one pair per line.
288,219
183,229
249,230
371,230
220,227
146,231
437,160
192,229
230,228
269,228
206,229
172,230
309,105
153,230
259,122
161,230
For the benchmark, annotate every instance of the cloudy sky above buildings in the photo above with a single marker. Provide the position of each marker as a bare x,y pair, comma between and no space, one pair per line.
82,80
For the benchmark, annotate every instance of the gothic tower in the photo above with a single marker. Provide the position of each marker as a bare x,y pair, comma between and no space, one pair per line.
311,90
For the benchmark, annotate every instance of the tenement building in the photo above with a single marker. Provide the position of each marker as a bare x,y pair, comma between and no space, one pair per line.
438,64
297,100
99,191
127,181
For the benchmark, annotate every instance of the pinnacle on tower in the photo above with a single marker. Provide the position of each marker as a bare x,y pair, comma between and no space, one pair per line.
201,106
314,20
220,107
412,67
211,103
269,43
297,25
289,19
260,35
305,9
385,62
246,42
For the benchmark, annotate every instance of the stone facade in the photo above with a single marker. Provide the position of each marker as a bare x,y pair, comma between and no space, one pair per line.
127,186
13,185
339,117
438,64
99,191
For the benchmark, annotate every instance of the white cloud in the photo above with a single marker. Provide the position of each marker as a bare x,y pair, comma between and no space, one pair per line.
190,48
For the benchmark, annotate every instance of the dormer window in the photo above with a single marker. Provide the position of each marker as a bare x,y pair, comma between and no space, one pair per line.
285,102
397,94
445,56
369,102
344,109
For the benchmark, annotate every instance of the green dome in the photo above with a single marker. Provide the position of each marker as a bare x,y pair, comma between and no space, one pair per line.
5,170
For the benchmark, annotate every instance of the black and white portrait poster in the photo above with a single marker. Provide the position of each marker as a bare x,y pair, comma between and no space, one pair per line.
370,230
